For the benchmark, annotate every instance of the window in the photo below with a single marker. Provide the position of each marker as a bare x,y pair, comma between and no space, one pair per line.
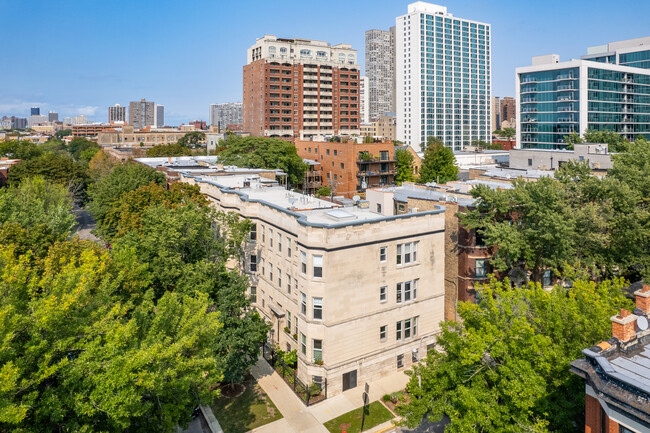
382,254
288,284
271,237
303,303
480,268
289,321
271,272
318,266
289,247
407,253
382,293
253,233
318,380
253,263
415,356
530,162
279,242
303,344
317,349
406,329
382,333
406,291
547,278
253,294
303,261
342,166
318,308
400,361
263,235
378,208
263,299
279,278
295,330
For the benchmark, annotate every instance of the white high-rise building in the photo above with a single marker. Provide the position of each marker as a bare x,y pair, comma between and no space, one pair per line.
116,114
444,77
229,113
364,96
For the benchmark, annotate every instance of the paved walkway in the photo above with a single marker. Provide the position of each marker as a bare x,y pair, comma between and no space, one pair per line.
297,418
353,398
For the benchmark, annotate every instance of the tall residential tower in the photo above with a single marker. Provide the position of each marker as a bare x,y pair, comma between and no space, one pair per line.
299,88
228,113
607,90
116,114
380,70
141,113
443,77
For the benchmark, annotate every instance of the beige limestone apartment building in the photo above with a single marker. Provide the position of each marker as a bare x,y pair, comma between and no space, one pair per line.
358,294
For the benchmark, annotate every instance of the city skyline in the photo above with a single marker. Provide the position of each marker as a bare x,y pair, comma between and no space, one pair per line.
88,87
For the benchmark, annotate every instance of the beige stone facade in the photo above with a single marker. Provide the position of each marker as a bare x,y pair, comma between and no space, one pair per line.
361,291
128,137
382,128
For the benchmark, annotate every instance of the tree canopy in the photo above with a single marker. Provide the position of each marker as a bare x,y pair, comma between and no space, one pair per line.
404,166
574,220
438,164
123,178
261,152
505,366
77,354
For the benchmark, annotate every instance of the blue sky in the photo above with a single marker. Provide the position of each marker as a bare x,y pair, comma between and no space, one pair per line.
79,57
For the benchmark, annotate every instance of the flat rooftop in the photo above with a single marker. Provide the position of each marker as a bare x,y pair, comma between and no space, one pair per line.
311,209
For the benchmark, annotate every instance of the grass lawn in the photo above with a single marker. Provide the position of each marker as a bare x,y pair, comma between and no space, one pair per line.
351,421
250,410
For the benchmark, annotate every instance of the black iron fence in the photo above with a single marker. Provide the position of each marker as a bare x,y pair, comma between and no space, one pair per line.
308,394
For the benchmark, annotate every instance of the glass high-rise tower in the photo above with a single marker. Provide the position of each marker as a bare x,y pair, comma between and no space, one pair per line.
443,79
607,90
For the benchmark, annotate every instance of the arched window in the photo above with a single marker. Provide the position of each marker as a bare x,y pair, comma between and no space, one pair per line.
321,54
271,49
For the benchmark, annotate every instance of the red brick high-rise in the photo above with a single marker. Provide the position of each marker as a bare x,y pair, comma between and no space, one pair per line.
300,88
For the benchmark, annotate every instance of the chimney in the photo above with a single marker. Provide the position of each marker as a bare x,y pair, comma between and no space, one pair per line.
624,325
643,299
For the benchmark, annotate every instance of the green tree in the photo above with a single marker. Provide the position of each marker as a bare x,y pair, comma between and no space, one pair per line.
77,354
123,178
126,213
78,145
509,133
174,149
36,201
615,141
192,139
324,191
438,164
19,149
260,152
368,139
573,139
404,166
63,133
431,142
505,366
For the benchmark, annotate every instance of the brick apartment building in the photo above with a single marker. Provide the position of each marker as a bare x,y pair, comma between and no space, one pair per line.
351,167
617,373
299,88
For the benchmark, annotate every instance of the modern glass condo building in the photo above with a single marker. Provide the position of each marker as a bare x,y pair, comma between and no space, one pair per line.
443,77
608,90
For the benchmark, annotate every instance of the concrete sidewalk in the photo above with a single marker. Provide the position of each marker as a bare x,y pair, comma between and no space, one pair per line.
297,418
353,398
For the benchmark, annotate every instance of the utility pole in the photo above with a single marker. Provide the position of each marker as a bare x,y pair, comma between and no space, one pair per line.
332,187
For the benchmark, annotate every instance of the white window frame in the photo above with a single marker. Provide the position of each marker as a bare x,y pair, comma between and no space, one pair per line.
383,294
383,333
407,253
303,304
303,262
383,254
317,260
317,308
